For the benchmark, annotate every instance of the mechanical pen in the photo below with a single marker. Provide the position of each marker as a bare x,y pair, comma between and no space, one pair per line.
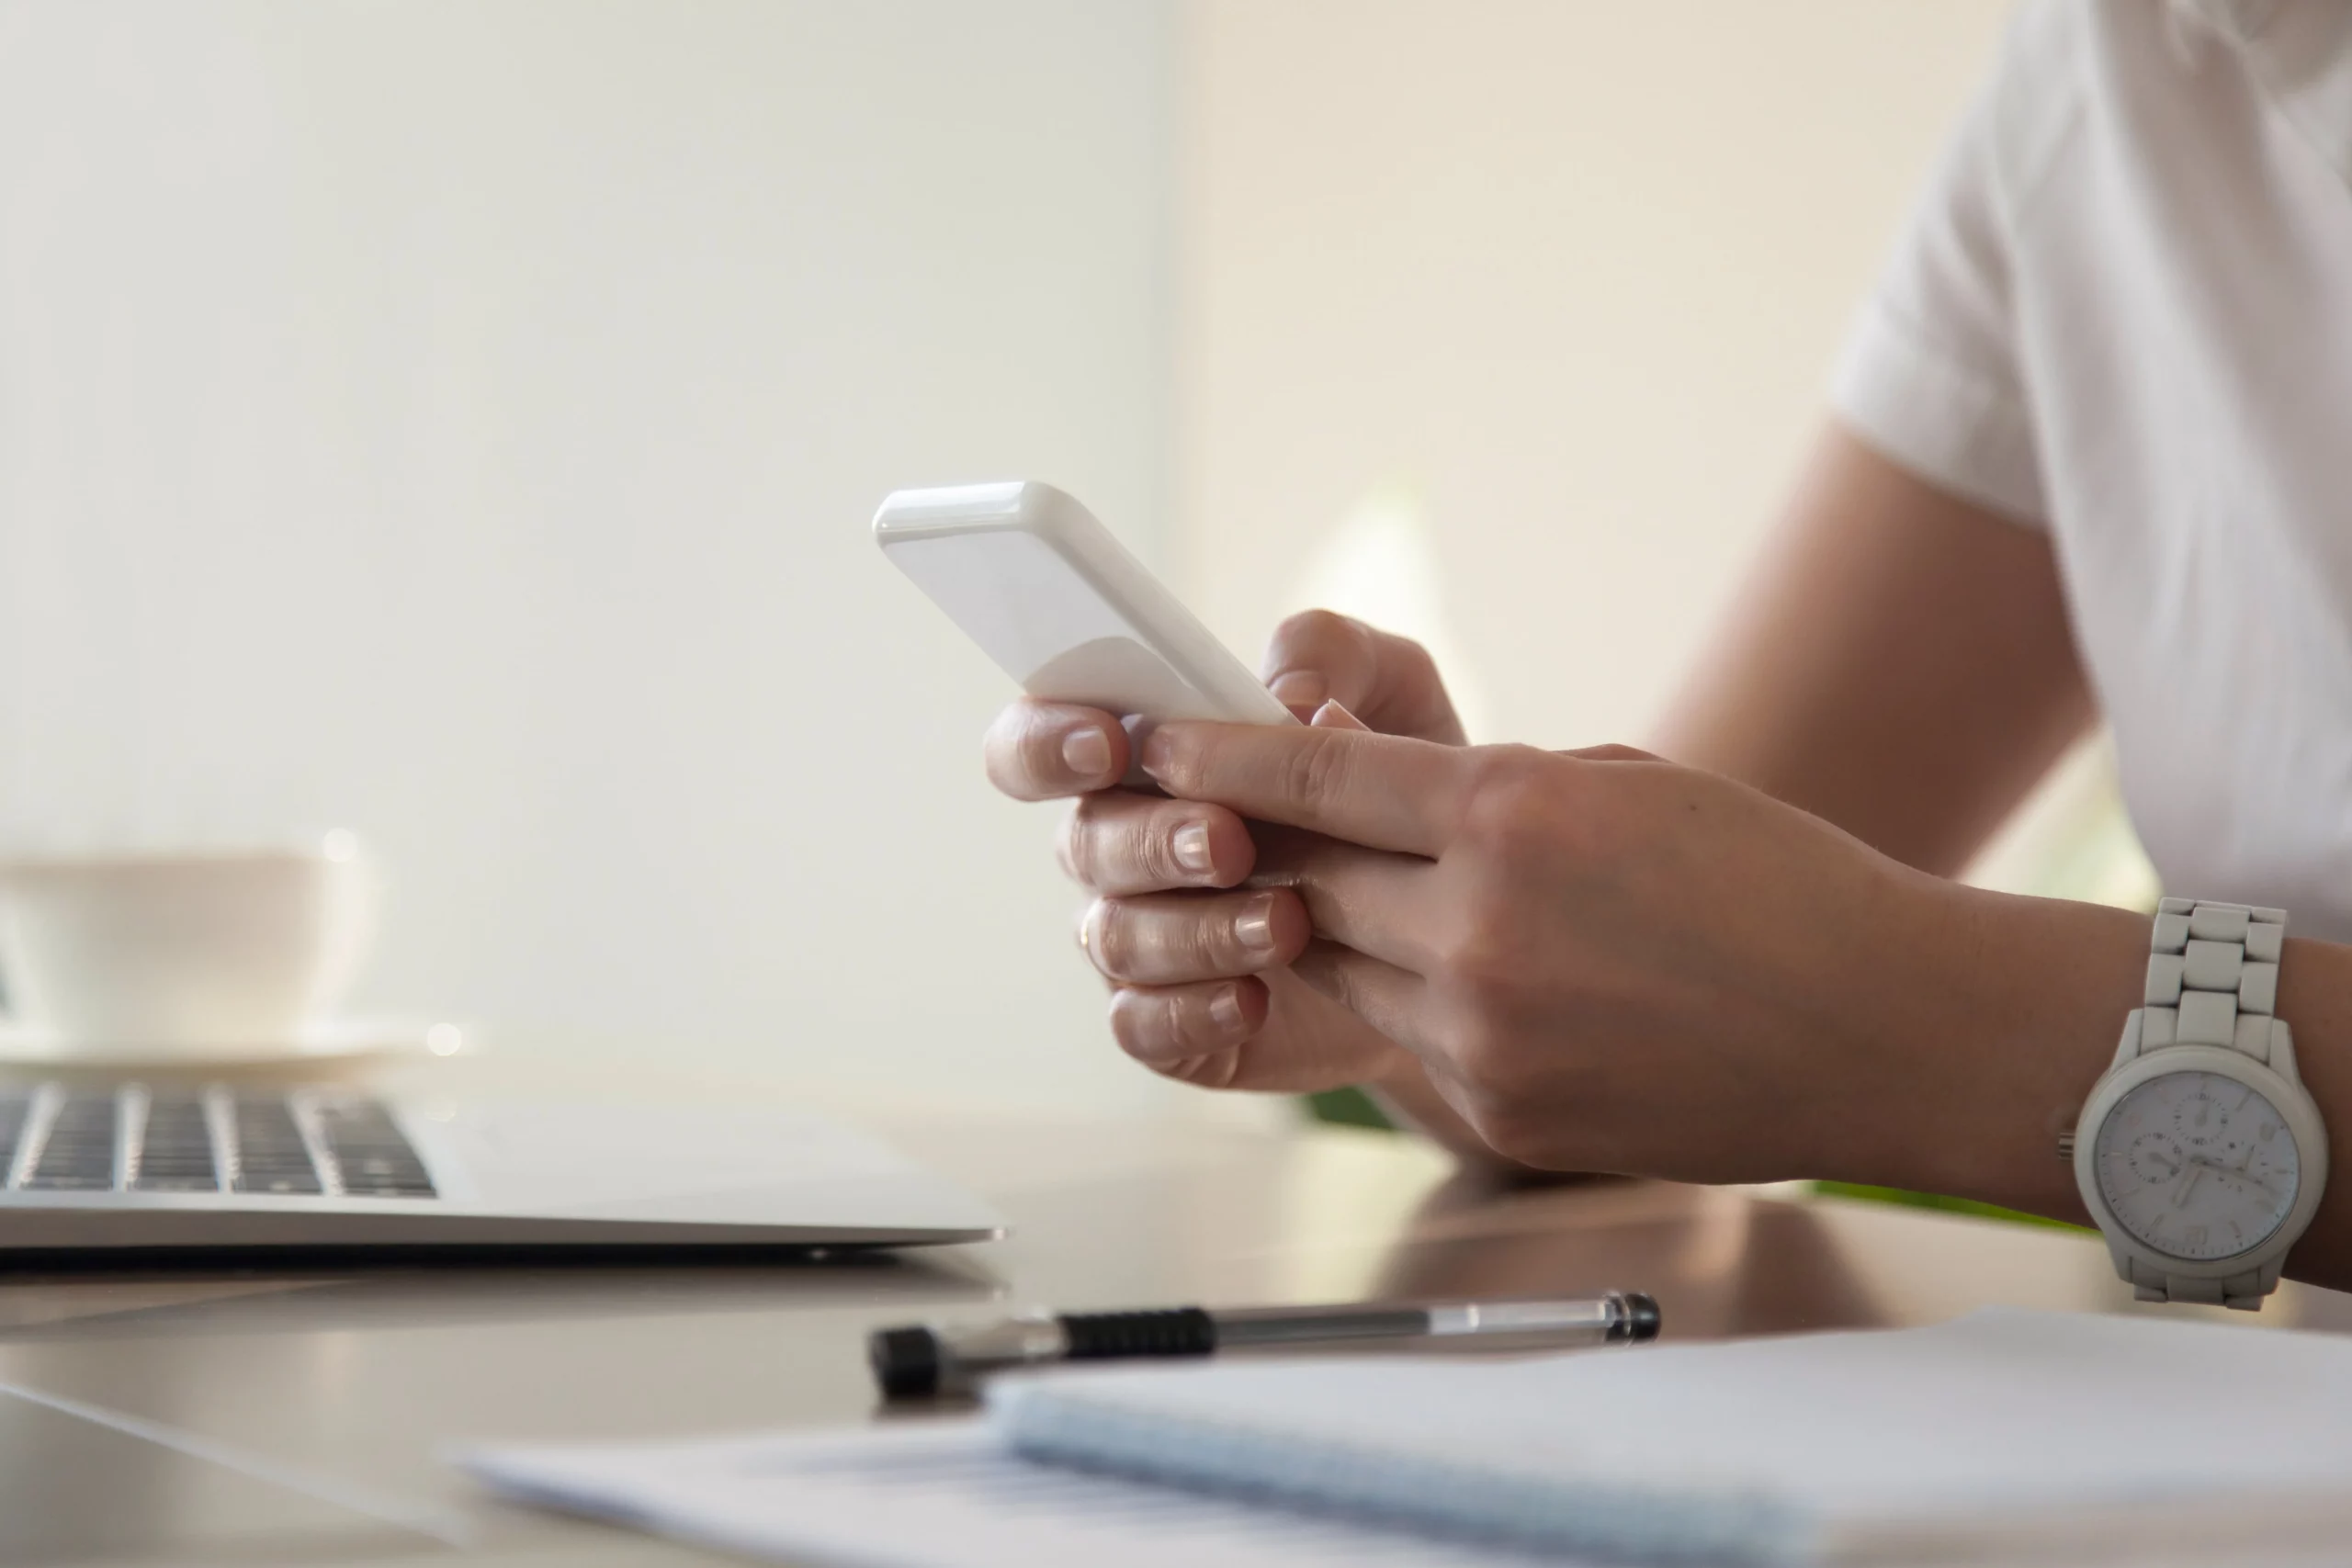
921,1361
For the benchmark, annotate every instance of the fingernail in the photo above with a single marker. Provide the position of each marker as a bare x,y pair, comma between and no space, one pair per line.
1334,715
1087,751
1225,1006
1256,928
1300,688
1191,847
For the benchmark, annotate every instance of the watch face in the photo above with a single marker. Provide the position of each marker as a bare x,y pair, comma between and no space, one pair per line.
2198,1165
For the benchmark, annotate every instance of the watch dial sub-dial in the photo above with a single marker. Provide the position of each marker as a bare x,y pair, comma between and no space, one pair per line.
2156,1157
2196,1164
2207,1124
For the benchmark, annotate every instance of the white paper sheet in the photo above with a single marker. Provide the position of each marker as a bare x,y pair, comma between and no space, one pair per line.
2008,1436
936,1494
2003,1432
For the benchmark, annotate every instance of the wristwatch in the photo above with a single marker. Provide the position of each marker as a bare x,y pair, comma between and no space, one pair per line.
2200,1154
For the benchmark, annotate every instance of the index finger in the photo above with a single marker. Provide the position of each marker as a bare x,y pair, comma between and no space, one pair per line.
1384,792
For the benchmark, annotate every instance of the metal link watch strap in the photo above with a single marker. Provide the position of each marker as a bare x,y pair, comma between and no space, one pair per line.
2212,976
2244,1291
2213,980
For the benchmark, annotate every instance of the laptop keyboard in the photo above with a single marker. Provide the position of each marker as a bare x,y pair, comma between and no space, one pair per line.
131,1138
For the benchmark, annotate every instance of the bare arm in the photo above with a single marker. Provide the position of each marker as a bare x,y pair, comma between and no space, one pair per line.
1601,961
1898,663
1763,996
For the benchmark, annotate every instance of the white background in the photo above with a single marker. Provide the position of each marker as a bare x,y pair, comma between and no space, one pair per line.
461,421
1566,276
458,420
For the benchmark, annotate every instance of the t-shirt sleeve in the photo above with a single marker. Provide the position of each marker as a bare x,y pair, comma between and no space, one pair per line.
1931,374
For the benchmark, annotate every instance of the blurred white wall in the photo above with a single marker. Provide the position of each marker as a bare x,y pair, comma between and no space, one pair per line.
459,420
1558,279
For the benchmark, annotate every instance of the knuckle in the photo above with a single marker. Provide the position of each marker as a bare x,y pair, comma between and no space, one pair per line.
1397,657
1037,768
1313,628
1514,1129
1319,968
1364,647
1526,807
1340,650
1195,946
1414,656
1163,1030
1004,755
1328,970
1111,939
1216,947
1317,769
1141,1028
1111,845
1094,837
1041,754
1217,1069
1073,846
1484,1058
1178,765
1484,960
1095,840
1149,941
1509,786
1492,952
1151,847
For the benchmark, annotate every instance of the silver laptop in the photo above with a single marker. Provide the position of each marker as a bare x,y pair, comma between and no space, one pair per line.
119,1167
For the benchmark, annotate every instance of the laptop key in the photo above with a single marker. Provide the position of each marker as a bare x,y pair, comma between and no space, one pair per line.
371,1155
272,1160
78,1154
175,1149
14,1109
280,1186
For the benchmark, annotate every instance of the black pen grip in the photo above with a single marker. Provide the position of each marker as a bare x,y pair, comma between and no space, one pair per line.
1108,1336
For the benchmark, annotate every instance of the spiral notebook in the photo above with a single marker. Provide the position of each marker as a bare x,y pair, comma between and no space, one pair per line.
2004,1437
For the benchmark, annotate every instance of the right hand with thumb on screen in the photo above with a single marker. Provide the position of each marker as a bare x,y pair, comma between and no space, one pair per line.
1189,925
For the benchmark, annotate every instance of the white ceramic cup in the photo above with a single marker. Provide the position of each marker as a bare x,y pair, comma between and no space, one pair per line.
181,954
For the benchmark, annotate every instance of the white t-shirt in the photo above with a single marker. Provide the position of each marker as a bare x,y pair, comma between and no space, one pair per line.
2123,311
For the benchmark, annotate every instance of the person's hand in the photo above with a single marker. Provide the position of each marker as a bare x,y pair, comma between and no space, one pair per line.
1604,960
1196,959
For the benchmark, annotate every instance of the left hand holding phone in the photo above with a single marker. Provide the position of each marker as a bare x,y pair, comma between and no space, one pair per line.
1198,958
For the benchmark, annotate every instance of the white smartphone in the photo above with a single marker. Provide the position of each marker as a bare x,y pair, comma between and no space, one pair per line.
1063,607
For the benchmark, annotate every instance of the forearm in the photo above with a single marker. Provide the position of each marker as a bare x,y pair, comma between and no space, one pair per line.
1994,1016
1898,663
1998,1014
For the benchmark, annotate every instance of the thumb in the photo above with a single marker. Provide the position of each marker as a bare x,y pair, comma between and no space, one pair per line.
1318,657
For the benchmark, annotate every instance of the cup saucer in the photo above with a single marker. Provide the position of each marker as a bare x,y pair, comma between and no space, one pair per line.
336,1038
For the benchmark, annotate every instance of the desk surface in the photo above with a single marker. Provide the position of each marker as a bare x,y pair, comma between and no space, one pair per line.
354,1380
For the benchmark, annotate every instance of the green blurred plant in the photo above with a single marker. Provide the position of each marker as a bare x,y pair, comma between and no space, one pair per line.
1907,1200
1348,1107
